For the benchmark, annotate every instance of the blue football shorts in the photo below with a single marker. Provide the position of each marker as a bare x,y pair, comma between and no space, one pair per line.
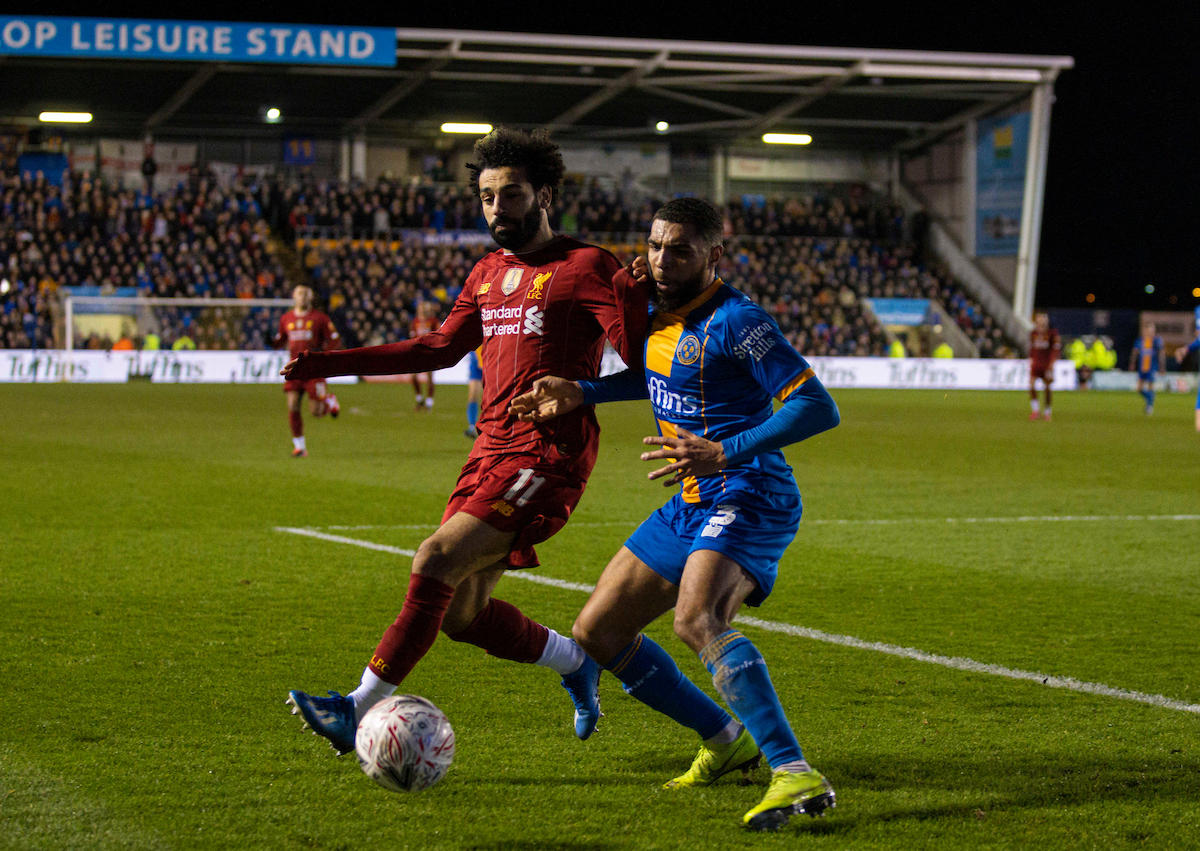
1147,376
752,528
474,370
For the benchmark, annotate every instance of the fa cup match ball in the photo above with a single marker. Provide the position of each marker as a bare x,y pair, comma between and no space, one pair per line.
404,743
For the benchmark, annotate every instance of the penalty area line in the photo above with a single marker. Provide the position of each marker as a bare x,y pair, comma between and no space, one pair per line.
954,662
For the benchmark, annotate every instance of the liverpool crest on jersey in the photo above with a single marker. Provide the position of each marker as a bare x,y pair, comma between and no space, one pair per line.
512,280
535,289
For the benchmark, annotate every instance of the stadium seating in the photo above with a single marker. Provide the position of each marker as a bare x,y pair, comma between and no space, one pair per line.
810,261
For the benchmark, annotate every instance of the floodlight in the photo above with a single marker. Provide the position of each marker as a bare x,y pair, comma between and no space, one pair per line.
273,115
65,117
787,138
662,127
473,129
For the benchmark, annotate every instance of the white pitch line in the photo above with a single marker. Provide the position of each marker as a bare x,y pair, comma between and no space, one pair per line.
955,662
1064,518
355,542
1067,518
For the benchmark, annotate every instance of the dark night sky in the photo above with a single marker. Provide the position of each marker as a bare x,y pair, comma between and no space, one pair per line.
1122,184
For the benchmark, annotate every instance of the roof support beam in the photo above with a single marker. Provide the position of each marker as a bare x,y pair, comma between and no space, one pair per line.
941,128
403,89
616,87
791,107
196,82
715,106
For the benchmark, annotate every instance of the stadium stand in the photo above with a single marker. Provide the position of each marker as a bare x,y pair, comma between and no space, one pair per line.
810,260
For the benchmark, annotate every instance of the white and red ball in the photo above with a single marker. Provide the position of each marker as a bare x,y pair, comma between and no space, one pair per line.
404,743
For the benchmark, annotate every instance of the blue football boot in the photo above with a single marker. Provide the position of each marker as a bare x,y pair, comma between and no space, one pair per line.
331,717
584,687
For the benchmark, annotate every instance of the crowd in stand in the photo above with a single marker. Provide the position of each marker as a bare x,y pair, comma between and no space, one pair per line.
197,240
810,261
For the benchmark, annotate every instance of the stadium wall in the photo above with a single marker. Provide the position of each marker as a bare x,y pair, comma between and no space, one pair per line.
196,367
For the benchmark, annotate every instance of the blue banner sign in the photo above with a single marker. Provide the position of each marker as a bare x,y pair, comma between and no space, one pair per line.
198,41
1001,149
899,311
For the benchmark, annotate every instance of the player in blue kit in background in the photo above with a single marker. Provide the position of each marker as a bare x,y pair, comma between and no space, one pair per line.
1147,359
714,362
1183,351
474,393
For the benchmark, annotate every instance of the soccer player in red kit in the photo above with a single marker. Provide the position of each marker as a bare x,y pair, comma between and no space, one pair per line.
304,329
542,305
1044,349
424,322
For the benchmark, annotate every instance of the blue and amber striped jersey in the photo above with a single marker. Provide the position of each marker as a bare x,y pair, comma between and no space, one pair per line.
714,369
1148,354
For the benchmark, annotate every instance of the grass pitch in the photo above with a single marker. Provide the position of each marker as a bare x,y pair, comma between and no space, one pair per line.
153,620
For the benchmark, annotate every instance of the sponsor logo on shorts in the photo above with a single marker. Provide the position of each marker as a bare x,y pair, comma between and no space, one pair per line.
503,507
722,517
688,350
534,320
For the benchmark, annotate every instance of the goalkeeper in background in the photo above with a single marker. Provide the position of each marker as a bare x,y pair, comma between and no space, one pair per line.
306,330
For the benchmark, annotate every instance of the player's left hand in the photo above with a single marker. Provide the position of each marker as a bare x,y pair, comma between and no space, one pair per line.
694,456
302,368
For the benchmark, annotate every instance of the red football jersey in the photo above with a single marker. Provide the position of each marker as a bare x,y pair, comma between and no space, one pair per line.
312,332
1044,346
546,312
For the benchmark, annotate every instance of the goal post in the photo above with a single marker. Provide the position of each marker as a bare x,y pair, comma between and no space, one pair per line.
206,311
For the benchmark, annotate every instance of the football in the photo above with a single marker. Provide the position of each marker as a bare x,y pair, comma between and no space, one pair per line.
404,743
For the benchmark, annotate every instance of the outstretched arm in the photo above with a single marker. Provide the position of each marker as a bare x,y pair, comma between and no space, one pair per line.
459,334
552,396
808,411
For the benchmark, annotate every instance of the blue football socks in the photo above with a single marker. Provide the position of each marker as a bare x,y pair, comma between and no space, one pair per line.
740,675
472,413
651,675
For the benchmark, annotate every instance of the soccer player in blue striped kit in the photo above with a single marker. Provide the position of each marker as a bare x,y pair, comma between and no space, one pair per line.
714,361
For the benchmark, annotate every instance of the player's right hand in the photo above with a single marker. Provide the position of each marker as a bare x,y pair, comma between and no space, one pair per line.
550,397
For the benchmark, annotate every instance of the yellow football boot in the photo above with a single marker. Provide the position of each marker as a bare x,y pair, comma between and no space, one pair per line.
718,760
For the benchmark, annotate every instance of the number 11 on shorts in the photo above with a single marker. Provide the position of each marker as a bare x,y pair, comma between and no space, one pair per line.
527,482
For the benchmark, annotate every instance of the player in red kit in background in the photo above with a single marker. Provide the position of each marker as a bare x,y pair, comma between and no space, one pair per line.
1044,349
424,322
304,329
541,305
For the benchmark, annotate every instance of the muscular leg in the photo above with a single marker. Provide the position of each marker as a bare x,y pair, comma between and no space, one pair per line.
461,547
712,590
500,629
627,598
1033,399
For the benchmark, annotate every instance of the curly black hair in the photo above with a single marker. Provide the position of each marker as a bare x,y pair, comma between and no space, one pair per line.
534,152
700,214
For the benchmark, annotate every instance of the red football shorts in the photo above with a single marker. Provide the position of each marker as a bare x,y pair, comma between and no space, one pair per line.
525,494
1041,369
315,387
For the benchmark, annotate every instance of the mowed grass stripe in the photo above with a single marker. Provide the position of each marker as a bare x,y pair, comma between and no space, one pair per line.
953,662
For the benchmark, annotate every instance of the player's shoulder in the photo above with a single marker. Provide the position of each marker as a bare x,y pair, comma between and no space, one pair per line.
585,254
734,307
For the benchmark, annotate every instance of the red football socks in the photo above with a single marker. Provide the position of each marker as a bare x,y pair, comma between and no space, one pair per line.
502,631
296,423
410,637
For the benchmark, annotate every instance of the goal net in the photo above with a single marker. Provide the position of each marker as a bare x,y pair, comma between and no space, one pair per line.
119,338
